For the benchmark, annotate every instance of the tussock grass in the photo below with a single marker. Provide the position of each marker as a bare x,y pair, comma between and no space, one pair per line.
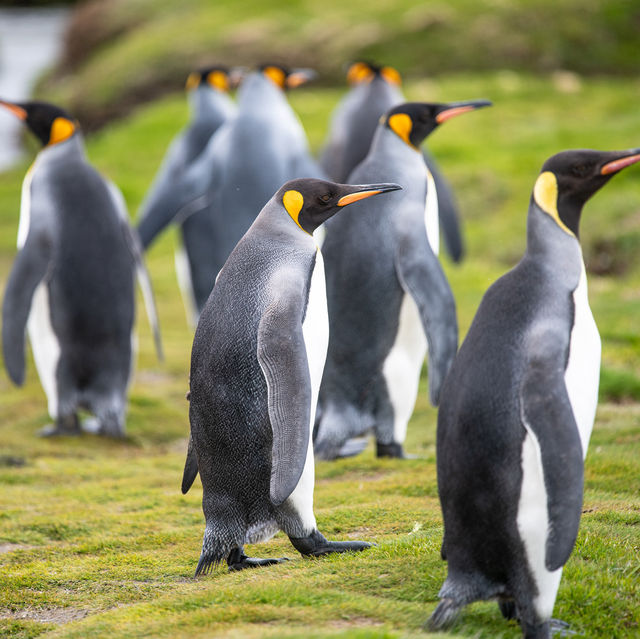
95,537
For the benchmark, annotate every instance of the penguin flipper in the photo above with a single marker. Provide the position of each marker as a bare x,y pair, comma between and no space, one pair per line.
29,268
283,359
190,468
546,410
422,277
448,213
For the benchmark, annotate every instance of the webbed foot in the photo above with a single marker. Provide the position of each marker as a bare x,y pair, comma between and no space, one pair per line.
316,545
64,426
392,450
237,560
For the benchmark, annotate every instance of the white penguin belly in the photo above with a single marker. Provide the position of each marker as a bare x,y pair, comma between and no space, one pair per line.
431,219
401,368
315,331
185,283
533,525
582,375
45,345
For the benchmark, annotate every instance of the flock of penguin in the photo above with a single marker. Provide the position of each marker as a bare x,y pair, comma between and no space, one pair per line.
300,352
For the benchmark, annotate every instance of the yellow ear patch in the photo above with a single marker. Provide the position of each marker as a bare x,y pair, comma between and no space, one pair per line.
276,75
391,75
359,72
61,130
401,125
293,202
192,81
218,80
545,193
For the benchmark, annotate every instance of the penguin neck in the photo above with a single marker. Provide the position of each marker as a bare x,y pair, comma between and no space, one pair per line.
551,245
387,143
207,103
383,91
259,92
73,146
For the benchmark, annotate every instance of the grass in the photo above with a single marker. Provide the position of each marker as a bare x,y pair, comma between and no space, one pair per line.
95,538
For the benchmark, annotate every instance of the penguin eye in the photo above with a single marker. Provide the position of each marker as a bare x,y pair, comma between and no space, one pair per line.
324,198
580,170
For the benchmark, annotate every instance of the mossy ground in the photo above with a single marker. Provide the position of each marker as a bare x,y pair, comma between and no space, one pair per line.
95,537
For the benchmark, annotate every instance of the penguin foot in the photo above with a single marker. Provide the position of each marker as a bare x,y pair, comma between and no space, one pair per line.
64,426
316,545
443,616
392,450
237,560
508,608
352,447
560,628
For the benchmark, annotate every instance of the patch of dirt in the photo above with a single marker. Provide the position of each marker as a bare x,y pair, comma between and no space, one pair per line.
11,547
46,615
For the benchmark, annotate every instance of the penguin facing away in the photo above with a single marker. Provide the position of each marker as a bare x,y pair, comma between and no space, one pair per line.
374,90
244,163
387,294
211,106
256,365
517,409
72,283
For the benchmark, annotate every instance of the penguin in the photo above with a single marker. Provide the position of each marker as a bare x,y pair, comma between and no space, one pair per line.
207,91
72,283
387,293
245,162
374,90
256,364
517,409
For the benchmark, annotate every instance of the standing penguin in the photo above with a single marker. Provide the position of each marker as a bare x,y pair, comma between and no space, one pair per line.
211,107
256,365
517,409
72,283
375,89
245,162
386,292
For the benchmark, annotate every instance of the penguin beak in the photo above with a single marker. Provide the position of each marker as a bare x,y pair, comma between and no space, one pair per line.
453,109
298,77
628,158
366,190
19,112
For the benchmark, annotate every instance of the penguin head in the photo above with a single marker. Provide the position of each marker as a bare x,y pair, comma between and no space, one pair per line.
286,78
310,202
568,179
217,77
414,121
49,123
360,72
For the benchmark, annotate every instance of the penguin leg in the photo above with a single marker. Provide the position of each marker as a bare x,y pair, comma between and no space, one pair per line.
64,425
316,545
109,412
237,560
508,608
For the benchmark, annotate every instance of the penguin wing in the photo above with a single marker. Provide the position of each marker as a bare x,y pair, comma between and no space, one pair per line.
29,269
190,468
283,359
546,411
448,213
133,243
422,277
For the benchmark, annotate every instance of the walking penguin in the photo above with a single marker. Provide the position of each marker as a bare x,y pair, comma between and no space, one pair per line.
517,409
72,283
256,365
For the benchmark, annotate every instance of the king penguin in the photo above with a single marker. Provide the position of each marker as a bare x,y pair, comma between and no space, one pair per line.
256,365
72,283
387,293
207,91
245,162
374,90
517,409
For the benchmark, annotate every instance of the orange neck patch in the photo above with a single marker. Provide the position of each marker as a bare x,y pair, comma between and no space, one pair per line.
293,201
276,75
218,80
61,130
401,125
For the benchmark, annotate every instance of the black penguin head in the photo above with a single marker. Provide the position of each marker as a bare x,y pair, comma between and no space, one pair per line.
310,202
360,72
218,77
49,123
413,121
286,78
568,179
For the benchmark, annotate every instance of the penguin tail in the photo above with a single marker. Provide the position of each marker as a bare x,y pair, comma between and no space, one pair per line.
216,546
444,615
206,564
190,468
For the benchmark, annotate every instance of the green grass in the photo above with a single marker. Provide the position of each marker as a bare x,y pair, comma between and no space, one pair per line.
102,543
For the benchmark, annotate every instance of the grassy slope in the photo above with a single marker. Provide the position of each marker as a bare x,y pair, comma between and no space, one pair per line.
102,531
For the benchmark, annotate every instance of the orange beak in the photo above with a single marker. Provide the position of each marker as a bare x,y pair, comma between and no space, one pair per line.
19,112
618,165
